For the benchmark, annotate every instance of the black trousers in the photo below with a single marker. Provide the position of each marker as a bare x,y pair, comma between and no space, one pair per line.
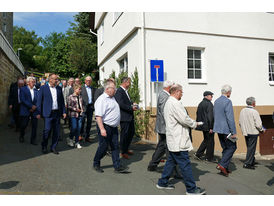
160,150
126,135
15,114
208,145
251,142
24,124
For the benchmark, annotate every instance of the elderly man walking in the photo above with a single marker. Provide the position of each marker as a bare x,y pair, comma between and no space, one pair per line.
178,142
107,114
251,124
224,125
160,127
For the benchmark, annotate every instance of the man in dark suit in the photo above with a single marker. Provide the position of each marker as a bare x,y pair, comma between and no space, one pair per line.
14,101
127,107
28,97
205,115
51,106
87,94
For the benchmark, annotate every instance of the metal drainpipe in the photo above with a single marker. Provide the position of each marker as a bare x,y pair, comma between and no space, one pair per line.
144,57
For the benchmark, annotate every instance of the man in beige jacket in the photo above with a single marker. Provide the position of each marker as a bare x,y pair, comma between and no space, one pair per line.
178,142
251,124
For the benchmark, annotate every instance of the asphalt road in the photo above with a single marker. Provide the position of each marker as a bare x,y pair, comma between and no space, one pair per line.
25,170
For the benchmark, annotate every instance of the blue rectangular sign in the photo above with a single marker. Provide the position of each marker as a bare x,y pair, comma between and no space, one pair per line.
156,70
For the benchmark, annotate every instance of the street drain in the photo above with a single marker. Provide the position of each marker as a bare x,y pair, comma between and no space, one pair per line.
232,192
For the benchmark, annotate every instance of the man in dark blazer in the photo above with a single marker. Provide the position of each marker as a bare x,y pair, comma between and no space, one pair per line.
28,97
14,101
51,106
127,107
87,94
205,114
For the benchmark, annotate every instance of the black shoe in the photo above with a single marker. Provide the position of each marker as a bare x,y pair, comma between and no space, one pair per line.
54,151
197,156
121,169
98,169
152,168
248,167
211,160
21,139
33,143
44,150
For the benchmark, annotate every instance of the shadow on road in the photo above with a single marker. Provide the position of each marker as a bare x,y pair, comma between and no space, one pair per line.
8,185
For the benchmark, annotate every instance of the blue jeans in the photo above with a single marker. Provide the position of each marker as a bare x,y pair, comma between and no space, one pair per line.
229,148
182,159
76,123
112,140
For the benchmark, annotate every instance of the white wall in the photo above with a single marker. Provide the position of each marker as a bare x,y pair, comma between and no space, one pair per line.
242,63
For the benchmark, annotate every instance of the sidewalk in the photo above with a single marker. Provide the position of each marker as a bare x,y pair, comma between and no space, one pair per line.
25,170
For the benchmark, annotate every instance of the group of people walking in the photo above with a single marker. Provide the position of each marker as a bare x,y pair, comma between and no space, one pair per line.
113,107
174,125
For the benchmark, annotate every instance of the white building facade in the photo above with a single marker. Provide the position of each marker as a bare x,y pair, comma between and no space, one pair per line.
201,51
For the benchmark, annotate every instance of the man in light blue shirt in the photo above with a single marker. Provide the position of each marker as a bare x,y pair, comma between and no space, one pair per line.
107,114
224,124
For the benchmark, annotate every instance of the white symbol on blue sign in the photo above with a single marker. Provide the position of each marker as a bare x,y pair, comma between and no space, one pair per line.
157,70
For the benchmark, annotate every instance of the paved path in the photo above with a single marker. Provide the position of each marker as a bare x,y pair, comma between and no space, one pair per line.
25,170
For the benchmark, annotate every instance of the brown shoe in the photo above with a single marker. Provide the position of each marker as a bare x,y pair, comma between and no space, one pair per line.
88,140
130,152
222,169
125,156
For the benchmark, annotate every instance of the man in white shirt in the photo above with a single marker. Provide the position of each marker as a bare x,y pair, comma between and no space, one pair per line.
178,142
251,125
107,114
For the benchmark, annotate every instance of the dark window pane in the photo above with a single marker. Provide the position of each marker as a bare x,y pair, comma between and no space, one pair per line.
189,63
198,64
190,53
197,54
190,74
271,76
271,59
198,74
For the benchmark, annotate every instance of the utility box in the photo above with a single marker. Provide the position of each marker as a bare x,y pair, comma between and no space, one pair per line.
267,138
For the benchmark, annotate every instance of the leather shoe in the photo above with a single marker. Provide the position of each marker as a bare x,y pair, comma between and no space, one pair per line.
44,150
88,140
121,169
125,156
129,152
248,167
98,169
54,151
33,143
152,168
222,169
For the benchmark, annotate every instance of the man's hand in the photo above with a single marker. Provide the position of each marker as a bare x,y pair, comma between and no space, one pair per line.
64,116
234,136
31,110
33,107
103,132
10,106
78,110
38,116
210,131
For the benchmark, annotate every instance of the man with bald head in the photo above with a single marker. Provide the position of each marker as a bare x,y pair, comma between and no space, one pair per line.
87,94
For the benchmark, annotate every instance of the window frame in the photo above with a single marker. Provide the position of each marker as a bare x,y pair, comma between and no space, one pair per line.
123,58
115,18
269,55
203,79
101,30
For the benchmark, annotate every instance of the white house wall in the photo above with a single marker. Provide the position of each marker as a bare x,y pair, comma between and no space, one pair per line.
242,63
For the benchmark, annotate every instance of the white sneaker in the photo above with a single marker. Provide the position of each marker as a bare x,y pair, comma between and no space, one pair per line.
70,142
78,146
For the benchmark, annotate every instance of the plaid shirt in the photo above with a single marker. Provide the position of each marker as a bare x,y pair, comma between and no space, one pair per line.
73,105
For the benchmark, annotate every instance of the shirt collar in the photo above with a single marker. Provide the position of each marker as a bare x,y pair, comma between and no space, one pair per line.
87,86
123,88
166,92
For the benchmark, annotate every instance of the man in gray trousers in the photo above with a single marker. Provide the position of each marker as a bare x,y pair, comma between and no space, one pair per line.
160,127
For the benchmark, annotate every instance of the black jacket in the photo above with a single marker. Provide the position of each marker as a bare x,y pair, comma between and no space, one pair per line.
205,114
84,95
13,95
125,104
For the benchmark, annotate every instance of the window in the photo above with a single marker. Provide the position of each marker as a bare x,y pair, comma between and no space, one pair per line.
195,65
271,68
102,33
123,63
116,16
4,14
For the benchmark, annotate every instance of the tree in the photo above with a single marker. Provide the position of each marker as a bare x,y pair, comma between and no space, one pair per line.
30,44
